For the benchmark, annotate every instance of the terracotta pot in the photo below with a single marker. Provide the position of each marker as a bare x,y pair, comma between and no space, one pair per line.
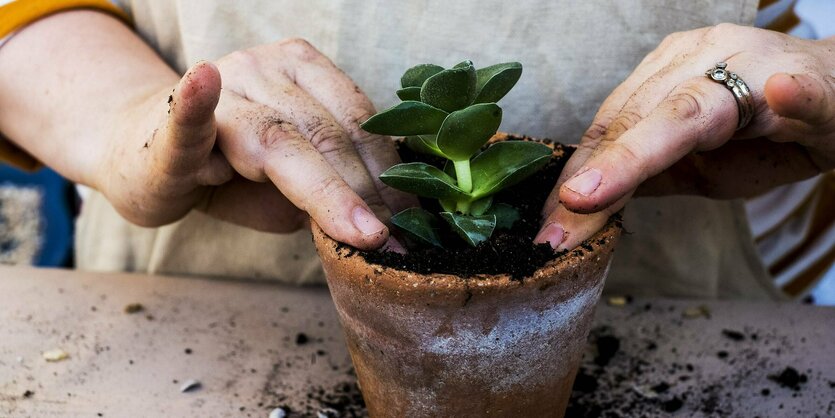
438,345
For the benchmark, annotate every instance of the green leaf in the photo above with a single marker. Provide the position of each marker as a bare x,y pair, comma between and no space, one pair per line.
464,131
506,215
463,64
450,89
473,229
447,204
482,206
420,225
407,118
409,93
421,145
423,180
415,76
506,163
493,82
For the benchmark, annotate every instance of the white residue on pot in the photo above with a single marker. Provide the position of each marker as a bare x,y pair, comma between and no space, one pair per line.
518,349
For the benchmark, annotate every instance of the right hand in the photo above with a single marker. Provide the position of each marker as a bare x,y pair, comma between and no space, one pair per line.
280,141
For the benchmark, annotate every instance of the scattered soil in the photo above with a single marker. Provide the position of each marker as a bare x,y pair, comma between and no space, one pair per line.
789,378
622,376
509,252
134,308
733,335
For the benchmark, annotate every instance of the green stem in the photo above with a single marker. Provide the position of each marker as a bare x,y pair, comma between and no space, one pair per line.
465,183
462,173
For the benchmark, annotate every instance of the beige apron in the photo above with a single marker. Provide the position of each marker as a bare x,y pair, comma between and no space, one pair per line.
574,52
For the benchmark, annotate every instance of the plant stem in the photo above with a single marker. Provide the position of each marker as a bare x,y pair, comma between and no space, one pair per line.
463,175
465,183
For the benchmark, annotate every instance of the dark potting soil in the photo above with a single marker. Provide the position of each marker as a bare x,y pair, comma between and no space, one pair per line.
509,252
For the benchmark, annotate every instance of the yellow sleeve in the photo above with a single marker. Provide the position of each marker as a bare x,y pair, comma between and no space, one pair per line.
16,15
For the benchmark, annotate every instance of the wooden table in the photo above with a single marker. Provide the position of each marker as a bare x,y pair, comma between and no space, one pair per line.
255,346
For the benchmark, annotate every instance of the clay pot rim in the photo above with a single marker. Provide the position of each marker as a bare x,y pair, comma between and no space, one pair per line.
396,279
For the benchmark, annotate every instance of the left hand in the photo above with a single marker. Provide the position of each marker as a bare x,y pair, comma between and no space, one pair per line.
668,128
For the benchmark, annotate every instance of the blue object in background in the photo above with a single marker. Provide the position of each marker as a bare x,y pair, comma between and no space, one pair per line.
59,207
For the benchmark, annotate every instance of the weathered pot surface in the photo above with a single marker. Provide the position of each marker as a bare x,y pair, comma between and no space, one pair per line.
437,345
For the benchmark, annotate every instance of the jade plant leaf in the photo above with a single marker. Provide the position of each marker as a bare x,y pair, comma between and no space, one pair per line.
415,76
451,89
420,225
407,118
473,229
482,206
463,64
448,205
409,93
422,145
493,82
505,214
423,180
465,131
506,163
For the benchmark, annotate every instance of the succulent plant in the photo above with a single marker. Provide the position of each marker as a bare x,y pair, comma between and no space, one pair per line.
452,113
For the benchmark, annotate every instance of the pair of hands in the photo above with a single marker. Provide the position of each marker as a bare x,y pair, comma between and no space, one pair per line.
281,139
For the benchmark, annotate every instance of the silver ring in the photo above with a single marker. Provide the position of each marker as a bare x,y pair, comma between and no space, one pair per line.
744,102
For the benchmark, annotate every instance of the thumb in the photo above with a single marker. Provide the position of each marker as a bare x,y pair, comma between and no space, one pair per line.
801,97
190,129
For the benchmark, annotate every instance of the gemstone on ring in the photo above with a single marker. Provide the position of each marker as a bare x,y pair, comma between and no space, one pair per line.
719,74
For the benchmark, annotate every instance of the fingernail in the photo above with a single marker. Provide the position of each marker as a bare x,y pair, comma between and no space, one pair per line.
552,233
366,222
585,182
393,245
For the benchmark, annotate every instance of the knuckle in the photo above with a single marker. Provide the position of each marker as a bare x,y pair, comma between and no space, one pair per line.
352,119
300,48
624,121
354,116
240,58
686,102
724,28
327,137
274,133
671,39
594,133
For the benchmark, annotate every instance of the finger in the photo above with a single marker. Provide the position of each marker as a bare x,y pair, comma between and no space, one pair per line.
262,146
190,130
697,115
807,107
801,97
340,96
564,229
611,120
314,122
263,202
736,169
